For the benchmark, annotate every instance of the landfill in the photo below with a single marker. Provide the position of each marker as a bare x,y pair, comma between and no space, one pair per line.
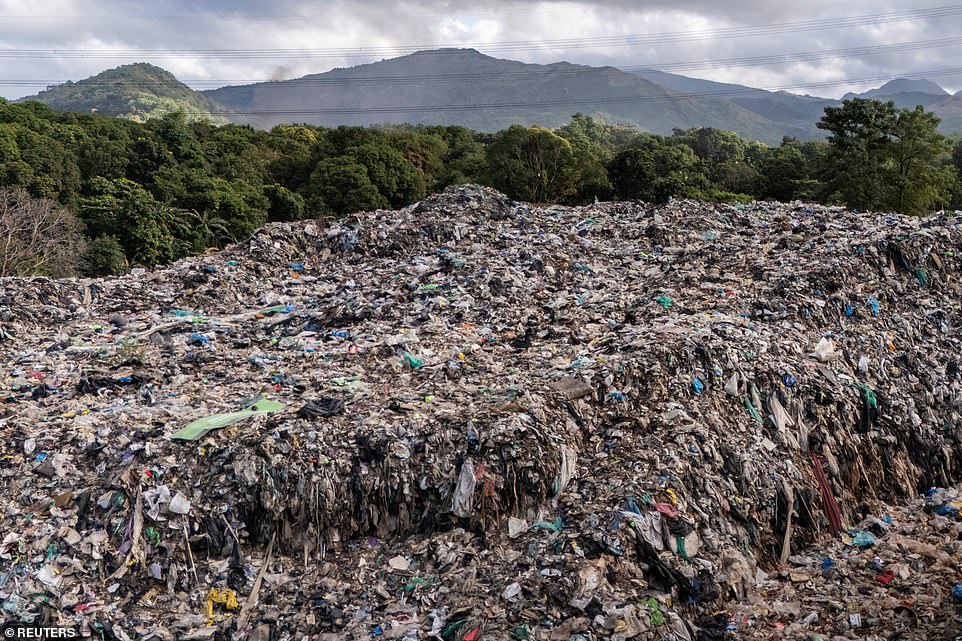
475,419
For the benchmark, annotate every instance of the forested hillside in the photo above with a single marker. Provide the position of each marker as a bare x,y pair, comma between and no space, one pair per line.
148,193
137,91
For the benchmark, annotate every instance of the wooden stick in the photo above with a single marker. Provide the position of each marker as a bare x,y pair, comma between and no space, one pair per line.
231,530
251,600
190,555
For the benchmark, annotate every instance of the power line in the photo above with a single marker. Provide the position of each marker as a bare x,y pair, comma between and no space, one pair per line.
567,102
328,16
526,74
514,46
810,56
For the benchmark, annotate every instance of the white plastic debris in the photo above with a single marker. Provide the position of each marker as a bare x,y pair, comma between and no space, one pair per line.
179,504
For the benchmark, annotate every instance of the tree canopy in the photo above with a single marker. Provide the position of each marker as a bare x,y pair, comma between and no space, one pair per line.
884,158
154,191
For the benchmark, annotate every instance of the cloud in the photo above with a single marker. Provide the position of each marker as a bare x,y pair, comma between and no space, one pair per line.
210,42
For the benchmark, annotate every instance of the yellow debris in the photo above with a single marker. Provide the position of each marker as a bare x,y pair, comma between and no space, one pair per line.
225,597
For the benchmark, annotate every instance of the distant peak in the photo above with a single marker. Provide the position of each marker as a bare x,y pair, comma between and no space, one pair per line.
140,65
444,51
907,85
133,72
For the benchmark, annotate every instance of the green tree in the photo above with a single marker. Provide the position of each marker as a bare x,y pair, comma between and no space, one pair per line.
588,130
237,153
341,185
653,169
423,149
285,205
957,156
956,165
464,157
101,147
39,163
290,154
593,142
884,158
204,229
859,135
789,171
340,140
533,164
919,163
146,156
170,183
124,209
14,172
395,178
727,160
105,257
175,133
240,204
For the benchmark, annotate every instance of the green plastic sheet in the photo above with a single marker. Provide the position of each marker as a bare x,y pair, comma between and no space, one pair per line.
202,426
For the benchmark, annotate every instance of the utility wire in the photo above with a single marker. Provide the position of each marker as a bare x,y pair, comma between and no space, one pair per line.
472,12
567,102
543,72
514,46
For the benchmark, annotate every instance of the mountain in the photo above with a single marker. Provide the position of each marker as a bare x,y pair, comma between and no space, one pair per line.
949,109
905,93
908,94
903,86
797,114
794,114
466,87
137,91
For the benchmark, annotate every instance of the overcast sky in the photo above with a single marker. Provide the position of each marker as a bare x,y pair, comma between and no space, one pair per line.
71,39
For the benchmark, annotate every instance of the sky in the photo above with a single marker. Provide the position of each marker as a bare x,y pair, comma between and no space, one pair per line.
818,47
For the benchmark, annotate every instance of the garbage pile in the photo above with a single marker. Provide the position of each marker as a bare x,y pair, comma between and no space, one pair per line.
479,419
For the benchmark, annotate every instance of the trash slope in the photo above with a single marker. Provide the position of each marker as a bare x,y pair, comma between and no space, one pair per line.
477,419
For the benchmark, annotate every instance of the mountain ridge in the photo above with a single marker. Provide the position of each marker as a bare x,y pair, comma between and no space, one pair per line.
797,113
466,87
902,86
482,92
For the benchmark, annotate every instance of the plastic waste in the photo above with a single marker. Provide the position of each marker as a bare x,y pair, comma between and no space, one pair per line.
462,503
825,350
864,539
552,391
202,426
321,408
697,385
179,504
412,361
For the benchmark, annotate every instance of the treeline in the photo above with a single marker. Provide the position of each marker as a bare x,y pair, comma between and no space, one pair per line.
148,193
